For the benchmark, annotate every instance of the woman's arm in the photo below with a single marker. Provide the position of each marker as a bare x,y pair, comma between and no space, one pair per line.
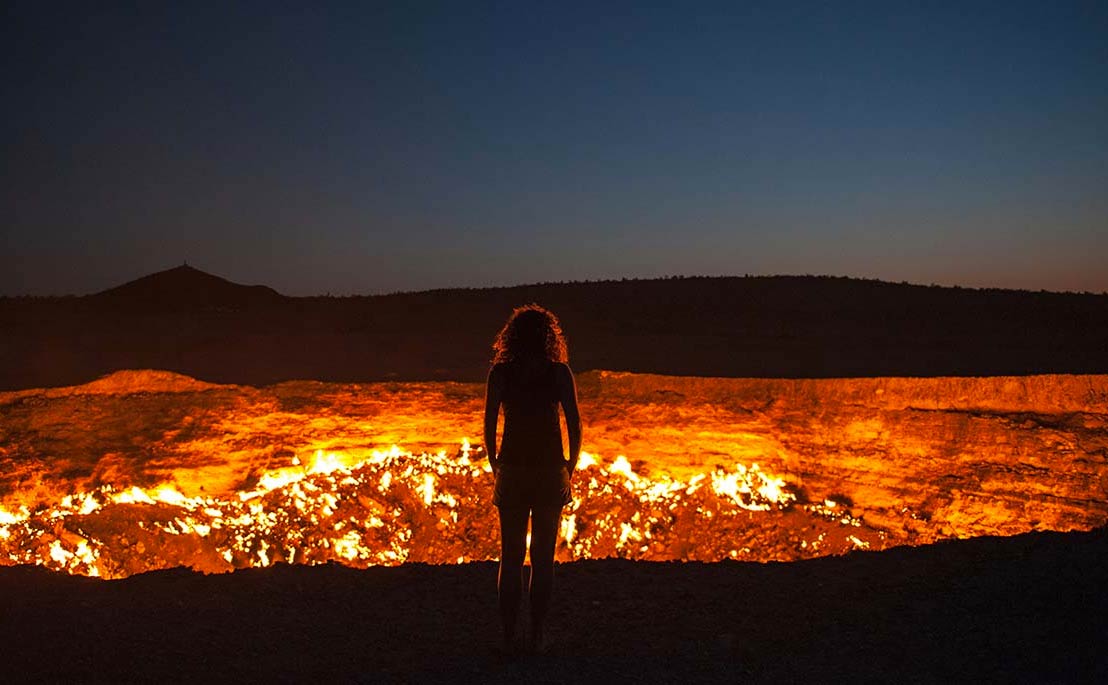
494,396
567,392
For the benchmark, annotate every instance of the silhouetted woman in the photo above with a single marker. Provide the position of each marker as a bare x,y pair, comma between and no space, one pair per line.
530,378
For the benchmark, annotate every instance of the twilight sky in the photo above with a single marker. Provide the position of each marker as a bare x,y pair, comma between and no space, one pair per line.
366,150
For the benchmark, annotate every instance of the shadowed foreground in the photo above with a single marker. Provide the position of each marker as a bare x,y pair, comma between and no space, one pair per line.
1033,606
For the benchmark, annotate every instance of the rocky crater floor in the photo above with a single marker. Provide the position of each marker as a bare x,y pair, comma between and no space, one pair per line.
147,469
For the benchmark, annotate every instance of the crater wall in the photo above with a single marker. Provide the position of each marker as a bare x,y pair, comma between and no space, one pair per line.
841,464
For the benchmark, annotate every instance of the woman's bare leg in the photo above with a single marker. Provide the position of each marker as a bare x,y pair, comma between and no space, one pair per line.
509,582
544,537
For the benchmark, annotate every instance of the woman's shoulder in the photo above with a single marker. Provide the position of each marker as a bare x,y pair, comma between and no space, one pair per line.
530,368
562,370
497,372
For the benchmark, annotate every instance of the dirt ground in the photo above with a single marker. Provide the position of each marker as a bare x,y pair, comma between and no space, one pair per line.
1027,608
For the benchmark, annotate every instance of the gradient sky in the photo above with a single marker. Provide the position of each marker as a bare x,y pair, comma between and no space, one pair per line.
367,150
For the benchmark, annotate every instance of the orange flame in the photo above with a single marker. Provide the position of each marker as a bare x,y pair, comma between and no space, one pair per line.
390,507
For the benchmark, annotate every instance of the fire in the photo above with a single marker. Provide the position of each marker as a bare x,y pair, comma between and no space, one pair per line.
390,507
137,472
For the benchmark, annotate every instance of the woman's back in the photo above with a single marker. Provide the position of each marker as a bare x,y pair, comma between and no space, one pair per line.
532,433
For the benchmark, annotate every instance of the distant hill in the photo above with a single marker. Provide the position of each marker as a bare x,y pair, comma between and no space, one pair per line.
194,323
188,287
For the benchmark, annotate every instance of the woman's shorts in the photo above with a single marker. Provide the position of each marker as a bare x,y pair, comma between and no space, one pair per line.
532,487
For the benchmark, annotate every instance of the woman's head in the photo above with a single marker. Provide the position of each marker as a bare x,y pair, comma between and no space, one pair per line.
531,331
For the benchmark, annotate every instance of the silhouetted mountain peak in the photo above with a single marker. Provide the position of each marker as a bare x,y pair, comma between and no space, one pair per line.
186,286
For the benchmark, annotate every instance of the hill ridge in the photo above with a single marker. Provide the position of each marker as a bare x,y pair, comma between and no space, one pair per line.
206,327
187,285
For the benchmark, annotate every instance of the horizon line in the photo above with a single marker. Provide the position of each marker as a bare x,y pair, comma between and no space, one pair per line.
586,281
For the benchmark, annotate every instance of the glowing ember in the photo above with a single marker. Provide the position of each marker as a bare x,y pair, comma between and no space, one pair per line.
387,509
145,470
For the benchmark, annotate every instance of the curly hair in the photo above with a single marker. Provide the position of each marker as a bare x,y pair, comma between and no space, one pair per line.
531,331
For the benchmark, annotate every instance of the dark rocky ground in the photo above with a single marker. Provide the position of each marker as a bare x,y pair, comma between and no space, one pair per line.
1029,608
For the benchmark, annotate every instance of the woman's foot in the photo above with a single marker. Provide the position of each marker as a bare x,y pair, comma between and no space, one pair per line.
536,641
512,646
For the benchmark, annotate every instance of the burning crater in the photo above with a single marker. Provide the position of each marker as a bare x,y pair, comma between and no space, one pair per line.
144,470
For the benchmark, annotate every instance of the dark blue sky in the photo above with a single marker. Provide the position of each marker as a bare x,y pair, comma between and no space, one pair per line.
371,150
